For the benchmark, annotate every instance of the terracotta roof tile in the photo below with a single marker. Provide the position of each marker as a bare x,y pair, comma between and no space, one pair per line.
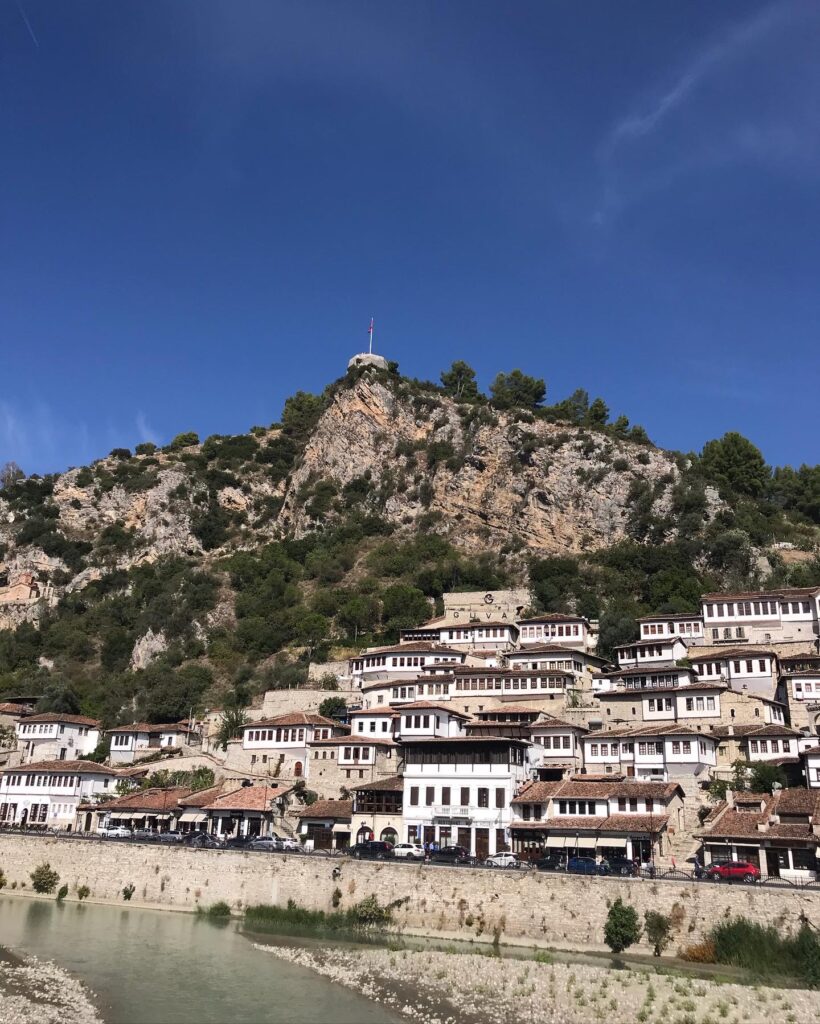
150,800
393,784
61,768
151,728
248,798
291,718
327,809
612,823
56,716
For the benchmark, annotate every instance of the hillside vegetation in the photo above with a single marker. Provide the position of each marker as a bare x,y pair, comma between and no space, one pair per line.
197,573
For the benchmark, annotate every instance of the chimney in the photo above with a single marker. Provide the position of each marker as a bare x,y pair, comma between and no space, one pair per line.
730,731
730,798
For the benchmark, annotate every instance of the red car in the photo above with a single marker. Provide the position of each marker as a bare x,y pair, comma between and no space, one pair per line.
733,871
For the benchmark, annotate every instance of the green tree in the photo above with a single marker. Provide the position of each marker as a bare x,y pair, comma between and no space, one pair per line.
44,879
459,382
358,614
59,697
312,629
146,448
598,415
185,440
231,721
332,707
10,474
301,414
658,928
622,928
735,465
516,390
763,777
404,606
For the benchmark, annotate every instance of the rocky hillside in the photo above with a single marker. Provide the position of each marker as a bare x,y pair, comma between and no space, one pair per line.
200,566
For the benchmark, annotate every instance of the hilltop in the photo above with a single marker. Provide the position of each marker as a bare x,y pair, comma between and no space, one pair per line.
158,579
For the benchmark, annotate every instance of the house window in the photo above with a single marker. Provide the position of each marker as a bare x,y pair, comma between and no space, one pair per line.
414,796
445,796
465,796
430,795
483,797
499,797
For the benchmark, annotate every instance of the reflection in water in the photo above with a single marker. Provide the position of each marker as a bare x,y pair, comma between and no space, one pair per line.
154,967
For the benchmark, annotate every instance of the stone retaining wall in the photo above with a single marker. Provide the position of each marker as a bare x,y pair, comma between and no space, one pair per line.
543,908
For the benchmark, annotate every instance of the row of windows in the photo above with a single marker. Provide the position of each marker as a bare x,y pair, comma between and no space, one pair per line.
445,796
507,756
722,609
576,807
556,742
656,679
806,687
54,781
373,724
357,753
700,703
661,704
551,630
420,721
716,668
764,746
480,631
277,735
659,628
515,683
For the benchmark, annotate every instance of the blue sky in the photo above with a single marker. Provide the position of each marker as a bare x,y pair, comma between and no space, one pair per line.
203,203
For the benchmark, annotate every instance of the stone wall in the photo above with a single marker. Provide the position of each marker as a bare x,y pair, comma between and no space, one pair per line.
526,905
282,702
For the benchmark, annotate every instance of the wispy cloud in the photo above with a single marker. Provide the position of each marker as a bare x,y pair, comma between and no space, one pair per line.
747,95
145,431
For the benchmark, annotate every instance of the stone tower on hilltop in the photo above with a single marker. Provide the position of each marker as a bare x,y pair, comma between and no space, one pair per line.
368,358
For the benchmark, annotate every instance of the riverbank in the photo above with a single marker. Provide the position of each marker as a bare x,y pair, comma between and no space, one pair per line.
437,988
34,991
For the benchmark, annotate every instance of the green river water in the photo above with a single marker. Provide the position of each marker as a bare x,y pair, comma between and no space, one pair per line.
155,967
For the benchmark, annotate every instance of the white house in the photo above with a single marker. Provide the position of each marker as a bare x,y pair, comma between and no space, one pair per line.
48,792
750,668
688,626
138,739
280,745
792,613
799,688
559,744
429,719
651,652
811,760
491,635
556,628
663,751
458,790
56,736
401,661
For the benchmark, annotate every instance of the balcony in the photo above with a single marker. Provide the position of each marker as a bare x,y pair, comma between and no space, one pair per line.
454,812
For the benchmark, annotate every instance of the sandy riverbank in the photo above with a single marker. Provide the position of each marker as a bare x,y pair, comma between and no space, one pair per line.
34,991
443,988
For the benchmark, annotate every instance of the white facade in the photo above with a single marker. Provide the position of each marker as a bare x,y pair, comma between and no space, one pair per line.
422,719
377,721
284,740
564,630
688,627
664,755
130,744
56,737
402,662
651,652
48,793
748,669
763,617
469,636
460,791
811,759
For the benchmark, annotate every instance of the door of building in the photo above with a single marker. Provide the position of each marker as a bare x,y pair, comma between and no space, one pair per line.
772,863
429,834
464,838
630,771
482,843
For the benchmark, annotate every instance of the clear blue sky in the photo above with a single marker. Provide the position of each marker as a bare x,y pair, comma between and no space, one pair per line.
203,203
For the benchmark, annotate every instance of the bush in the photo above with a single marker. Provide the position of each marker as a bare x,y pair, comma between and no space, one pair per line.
185,440
62,892
218,911
3,881
128,892
43,879
83,892
621,929
658,928
146,448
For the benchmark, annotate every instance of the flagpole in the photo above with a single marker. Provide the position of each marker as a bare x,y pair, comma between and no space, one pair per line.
370,333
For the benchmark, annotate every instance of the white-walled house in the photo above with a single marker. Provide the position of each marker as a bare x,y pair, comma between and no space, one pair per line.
811,761
799,689
401,661
791,613
743,668
54,736
279,745
48,793
688,626
596,818
458,790
428,718
663,751
139,739
560,745
491,635
651,652
556,628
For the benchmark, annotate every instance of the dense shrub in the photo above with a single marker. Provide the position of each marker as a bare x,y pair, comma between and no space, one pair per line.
43,879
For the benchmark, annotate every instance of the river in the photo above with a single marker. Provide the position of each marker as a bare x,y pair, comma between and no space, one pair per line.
155,967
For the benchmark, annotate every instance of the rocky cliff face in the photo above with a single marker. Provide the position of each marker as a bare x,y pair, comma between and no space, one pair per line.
484,479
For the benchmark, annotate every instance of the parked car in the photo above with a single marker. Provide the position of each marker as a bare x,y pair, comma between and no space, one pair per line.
288,845
170,837
552,862
409,851
144,835
619,866
585,866
238,842
201,841
732,871
375,849
451,855
503,860
115,832
268,843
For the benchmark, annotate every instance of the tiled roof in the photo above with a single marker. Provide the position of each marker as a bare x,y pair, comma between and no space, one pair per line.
583,824
151,728
328,809
393,784
742,731
731,822
503,673
645,731
359,739
670,617
551,617
724,653
550,722
248,798
56,716
643,670
743,595
382,709
798,801
150,800
576,787
13,709
411,647
203,797
431,705
292,718
655,641
61,768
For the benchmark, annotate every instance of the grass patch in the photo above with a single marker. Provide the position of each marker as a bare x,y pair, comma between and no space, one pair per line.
367,914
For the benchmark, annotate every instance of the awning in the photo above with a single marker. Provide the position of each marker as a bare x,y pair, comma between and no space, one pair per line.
584,842
612,842
120,815
193,816
556,841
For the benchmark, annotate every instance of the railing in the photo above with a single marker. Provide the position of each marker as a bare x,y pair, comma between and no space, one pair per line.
453,811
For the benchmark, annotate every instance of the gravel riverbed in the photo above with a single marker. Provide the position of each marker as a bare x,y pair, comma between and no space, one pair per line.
34,991
465,988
